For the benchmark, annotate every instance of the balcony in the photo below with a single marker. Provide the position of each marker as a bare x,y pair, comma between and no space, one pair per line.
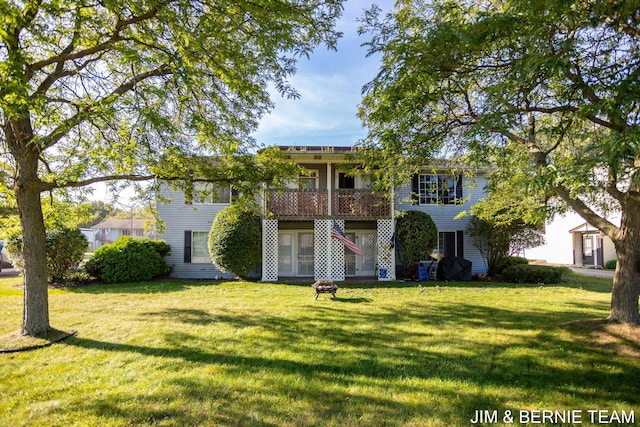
314,204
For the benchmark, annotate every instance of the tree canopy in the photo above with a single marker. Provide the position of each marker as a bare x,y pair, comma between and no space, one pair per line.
558,79
116,89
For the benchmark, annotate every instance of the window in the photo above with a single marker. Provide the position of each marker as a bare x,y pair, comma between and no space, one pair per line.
199,250
195,247
209,192
346,181
450,244
308,182
438,189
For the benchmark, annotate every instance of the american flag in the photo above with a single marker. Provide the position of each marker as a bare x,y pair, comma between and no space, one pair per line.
337,233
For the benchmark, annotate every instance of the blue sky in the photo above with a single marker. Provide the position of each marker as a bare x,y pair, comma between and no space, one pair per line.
330,84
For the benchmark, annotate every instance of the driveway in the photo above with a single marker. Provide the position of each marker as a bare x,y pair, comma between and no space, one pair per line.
593,272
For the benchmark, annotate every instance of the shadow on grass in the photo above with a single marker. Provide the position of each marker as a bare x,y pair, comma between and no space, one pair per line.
150,287
350,365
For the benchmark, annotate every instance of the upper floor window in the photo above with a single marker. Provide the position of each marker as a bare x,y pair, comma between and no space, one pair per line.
209,192
309,181
438,189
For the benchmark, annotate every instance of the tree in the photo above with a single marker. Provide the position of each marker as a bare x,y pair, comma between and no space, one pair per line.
235,239
418,236
559,79
113,90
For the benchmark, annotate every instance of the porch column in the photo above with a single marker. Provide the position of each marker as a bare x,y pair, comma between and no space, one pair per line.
329,190
328,260
386,253
269,250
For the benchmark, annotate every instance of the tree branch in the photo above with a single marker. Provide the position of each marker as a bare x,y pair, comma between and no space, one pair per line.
61,130
48,186
587,213
105,45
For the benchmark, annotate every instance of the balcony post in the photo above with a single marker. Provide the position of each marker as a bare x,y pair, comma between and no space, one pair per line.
329,190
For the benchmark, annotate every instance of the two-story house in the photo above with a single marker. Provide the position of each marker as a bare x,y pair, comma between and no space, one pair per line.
298,222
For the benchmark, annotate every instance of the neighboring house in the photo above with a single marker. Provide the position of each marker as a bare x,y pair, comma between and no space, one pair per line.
108,231
298,221
569,240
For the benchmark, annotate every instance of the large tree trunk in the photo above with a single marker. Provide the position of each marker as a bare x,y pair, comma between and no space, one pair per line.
35,318
626,281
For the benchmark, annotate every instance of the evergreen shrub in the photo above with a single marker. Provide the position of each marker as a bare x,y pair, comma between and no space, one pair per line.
417,237
235,239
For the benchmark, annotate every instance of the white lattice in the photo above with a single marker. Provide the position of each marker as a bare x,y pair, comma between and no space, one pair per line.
386,253
321,248
269,250
337,255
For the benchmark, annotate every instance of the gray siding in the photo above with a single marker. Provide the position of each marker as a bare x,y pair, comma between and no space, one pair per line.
179,217
443,215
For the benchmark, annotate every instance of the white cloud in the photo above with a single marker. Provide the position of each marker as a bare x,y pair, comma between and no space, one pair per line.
330,85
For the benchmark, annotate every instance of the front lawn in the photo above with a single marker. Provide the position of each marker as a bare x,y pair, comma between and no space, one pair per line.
230,354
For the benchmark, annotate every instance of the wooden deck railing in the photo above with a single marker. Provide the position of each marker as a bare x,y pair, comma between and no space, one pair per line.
310,204
360,203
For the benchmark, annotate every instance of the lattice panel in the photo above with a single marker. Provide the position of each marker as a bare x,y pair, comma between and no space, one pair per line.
337,255
322,246
386,254
269,250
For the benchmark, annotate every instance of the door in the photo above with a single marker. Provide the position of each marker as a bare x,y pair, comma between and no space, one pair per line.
305,254
588,249
367,262
350,257
356,265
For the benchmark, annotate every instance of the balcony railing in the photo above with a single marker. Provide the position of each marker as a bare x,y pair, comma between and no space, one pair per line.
360,204
310,204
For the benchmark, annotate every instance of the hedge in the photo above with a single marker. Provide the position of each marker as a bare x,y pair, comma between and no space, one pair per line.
522,273
129,259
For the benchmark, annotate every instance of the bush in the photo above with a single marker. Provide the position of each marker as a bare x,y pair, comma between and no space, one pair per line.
65,249
235,240
129,260
510,261
417,237
521,273
610,265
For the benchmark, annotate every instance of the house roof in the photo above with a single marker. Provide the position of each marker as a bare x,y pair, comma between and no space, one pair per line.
121,224
584,227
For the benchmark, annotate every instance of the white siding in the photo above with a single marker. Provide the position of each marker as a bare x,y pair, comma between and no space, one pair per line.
179,217
443,215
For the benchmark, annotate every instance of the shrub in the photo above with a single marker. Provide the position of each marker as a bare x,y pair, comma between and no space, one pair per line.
610,265
235,239
417,237
510,261
521,273
65,249
129,260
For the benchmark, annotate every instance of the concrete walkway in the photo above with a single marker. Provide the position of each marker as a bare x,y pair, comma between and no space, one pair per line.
593,272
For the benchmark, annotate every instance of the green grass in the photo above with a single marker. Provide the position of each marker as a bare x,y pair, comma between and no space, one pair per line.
231,354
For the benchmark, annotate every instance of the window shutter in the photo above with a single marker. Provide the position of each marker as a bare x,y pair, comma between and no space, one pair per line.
459,188
460,243
415,191
187,246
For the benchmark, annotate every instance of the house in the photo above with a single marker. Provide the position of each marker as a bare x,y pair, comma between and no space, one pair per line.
108,231
569,240
298,222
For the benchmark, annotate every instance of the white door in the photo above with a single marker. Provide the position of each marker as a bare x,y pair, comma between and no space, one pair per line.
366,264
305,254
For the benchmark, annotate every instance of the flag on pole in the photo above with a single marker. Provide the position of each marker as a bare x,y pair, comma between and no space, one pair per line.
337,233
